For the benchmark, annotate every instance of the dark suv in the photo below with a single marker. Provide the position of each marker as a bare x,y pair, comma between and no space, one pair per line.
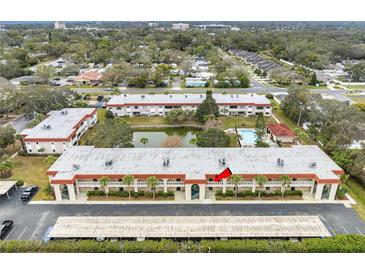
28,193
5,227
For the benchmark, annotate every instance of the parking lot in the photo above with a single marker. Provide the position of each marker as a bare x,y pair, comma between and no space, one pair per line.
32,221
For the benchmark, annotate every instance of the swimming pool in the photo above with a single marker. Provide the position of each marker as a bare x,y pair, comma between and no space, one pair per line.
248,137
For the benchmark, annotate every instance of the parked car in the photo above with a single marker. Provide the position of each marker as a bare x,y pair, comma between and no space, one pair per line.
28,193
108,89
100,98
5,228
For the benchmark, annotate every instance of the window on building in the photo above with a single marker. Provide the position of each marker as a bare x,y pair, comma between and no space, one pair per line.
96,188
30,150
37,143
119,108
121,189
53,150
136,107
95,180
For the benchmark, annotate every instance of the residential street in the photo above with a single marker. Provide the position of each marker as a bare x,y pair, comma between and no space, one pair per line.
32,221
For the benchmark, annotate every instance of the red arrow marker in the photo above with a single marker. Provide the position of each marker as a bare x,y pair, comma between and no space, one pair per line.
224,174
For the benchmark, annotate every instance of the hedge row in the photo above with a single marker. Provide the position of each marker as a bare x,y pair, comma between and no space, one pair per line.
230,193
336,244
126,194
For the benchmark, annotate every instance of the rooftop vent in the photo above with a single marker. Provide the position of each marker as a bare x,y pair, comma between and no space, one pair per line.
201,95
142,96
170,95
109,163
48,126
186,96
125,95
64,112
166,162
76,166
312,164
222,162
280,162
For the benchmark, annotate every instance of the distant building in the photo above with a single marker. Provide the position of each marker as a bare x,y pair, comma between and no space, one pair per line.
160,104
90,77
153,24
215,27
281,134
59,25
180,26
195,82
59,131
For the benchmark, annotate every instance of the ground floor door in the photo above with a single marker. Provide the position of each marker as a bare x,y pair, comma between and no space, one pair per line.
195,191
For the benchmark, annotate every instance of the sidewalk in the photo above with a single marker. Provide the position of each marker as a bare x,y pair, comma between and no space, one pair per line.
346,203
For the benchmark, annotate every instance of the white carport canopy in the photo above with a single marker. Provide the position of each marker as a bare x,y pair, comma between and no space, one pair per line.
189,227
5,186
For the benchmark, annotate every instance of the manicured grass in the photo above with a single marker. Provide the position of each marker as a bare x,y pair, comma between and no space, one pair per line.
355,86
10,150
358,99
32,170
284,119
315,87
101,115
145,120
357,192
240,121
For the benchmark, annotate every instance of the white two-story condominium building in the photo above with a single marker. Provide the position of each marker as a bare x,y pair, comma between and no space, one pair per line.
59,131
189,172
160,104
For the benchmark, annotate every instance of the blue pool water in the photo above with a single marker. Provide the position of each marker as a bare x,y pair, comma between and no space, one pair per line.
248,136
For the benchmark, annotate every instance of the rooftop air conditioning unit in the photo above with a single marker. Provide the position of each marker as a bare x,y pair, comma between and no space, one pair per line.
76,166
280,162
64,112
109,163
166,162
312,164
46,126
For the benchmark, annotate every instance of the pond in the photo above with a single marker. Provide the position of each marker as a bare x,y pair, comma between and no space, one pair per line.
164,137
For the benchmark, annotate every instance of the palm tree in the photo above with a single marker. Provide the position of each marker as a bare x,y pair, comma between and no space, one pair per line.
193,141
6,167
152,183
104,182
344,178
128,180
144,141
235,180
261,181
285,181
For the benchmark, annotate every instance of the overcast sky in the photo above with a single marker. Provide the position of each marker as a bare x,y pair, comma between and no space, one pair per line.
187,10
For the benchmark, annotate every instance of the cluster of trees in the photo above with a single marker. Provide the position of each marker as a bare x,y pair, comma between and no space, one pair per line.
334,124
112,133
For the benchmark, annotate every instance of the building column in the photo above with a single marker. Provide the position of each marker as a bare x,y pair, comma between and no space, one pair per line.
253,186
333,192
318,195
135,186
201,191
188,192
165,185
224,186
77,189
71,192
312,188
57,192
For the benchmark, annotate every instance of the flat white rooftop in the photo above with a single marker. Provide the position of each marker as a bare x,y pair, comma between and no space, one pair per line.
195,163
190,99
189,227
58,124
5,186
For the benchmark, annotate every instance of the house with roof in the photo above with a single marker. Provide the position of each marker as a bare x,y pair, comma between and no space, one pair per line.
191,171
60,130
281,134
160,104
91,77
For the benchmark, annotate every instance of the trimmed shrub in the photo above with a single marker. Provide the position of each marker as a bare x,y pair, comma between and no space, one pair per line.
293,193
119,193
19,183
95,193
167,194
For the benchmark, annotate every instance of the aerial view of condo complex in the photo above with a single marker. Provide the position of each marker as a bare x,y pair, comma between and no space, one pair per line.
148,135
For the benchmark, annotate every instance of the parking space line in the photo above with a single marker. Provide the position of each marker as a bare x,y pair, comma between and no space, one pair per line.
7,236
34,232
22,233
334,233
358,230
344,228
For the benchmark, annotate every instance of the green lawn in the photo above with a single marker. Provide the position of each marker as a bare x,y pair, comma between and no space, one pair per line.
355,87
32,170
357,192
240,121
358,99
